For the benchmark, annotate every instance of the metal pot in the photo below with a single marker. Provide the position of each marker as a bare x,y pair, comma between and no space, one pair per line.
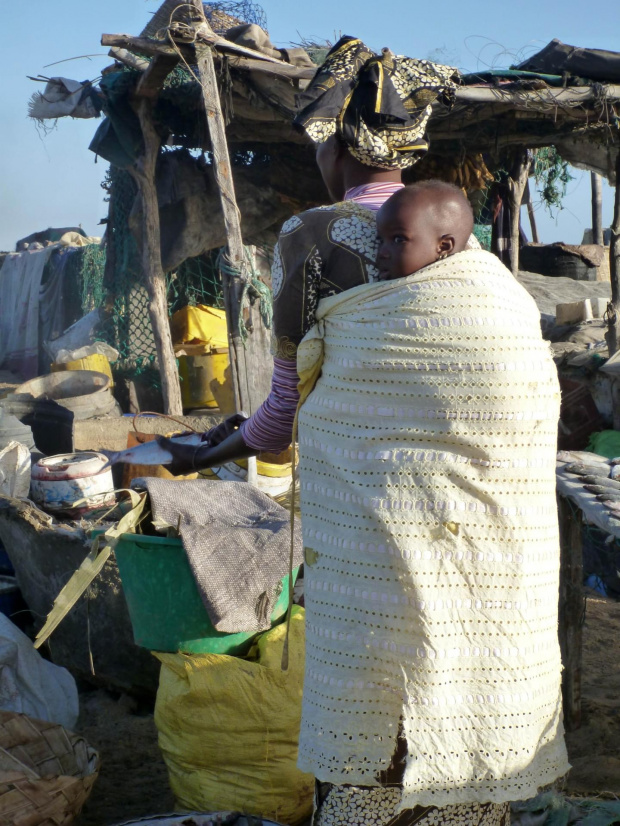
59,482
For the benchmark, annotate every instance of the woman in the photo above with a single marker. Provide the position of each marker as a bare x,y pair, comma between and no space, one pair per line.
416,707
367,115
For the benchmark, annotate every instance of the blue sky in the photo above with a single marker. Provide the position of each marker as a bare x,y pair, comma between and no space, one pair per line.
53,180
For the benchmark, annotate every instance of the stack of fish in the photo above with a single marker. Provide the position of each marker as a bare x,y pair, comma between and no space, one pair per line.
599,475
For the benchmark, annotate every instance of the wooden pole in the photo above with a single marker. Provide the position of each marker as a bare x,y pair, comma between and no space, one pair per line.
612,336
571,610
143,172
527,197
233,285
597,208
516,187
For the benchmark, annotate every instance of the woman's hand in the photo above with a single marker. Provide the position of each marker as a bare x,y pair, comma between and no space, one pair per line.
185,458
221,444
225,429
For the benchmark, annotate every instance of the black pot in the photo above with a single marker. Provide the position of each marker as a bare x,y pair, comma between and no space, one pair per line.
51,424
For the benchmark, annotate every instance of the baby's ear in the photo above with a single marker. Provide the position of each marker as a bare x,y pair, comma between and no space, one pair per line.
446,245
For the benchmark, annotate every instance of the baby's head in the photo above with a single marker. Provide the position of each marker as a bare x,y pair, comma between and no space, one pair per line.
421,224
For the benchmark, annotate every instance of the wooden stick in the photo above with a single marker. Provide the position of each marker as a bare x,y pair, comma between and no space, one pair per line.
240,56
141,45
516,188
143,172
128,59
571,610
527,197
612,336
597,208
233,288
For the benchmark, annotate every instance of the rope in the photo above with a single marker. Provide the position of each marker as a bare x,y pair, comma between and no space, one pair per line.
289,609
253,290
139,433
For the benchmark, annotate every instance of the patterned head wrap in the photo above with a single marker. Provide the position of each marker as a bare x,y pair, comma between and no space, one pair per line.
378,105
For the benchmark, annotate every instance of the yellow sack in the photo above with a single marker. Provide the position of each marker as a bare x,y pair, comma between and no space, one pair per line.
200,325
229,729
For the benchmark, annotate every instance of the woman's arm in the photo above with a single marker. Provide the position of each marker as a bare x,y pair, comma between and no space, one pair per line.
295,275
271,427
189,458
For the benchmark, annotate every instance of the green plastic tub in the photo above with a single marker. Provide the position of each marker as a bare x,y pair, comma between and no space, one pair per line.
166,611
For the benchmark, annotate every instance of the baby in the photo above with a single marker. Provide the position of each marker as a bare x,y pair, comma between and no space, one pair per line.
420,224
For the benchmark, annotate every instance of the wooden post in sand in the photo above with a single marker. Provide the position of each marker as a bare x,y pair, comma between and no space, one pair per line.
527,197
516,187
571,610
143,172
612,336
233,285
597,208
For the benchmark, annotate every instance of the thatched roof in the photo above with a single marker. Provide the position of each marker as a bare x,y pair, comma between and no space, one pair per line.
492,112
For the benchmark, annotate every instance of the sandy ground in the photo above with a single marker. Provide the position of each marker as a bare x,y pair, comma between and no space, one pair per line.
133,781
594,749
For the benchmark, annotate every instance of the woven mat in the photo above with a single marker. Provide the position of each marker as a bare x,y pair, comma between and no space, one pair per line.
46,772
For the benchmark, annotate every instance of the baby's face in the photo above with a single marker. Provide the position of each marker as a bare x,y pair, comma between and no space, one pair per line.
406,241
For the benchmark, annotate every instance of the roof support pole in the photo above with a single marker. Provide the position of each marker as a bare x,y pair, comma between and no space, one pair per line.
612,335
571,610
516,187
530,211
597,208
143,172
233,285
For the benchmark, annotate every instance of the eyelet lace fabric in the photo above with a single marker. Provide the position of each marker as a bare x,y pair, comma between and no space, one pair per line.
427,466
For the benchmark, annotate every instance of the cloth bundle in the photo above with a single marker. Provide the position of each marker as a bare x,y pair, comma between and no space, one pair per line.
427,463
237,541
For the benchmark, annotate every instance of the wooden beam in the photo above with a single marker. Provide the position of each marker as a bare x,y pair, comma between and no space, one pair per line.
285,70
137,45
233,287
571,97
516,187
597,208
612,336
571,610
143,172
205,33
530,211
128,59
152,80
239,59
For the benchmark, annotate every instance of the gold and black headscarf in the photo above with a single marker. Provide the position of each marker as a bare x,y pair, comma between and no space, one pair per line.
378,104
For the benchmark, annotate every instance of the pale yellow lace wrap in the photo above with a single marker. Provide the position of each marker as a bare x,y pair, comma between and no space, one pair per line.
427,466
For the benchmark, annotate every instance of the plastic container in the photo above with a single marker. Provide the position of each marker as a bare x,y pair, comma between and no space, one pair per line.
202,376
58,482
97,363
199,325
166,611
85,393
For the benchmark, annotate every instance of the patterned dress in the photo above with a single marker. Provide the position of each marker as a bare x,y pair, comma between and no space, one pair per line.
321,252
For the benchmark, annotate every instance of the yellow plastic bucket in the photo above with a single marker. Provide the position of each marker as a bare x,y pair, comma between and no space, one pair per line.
206,381
97,362
199,325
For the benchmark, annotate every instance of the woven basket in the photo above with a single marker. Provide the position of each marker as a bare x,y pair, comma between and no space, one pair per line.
46,772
